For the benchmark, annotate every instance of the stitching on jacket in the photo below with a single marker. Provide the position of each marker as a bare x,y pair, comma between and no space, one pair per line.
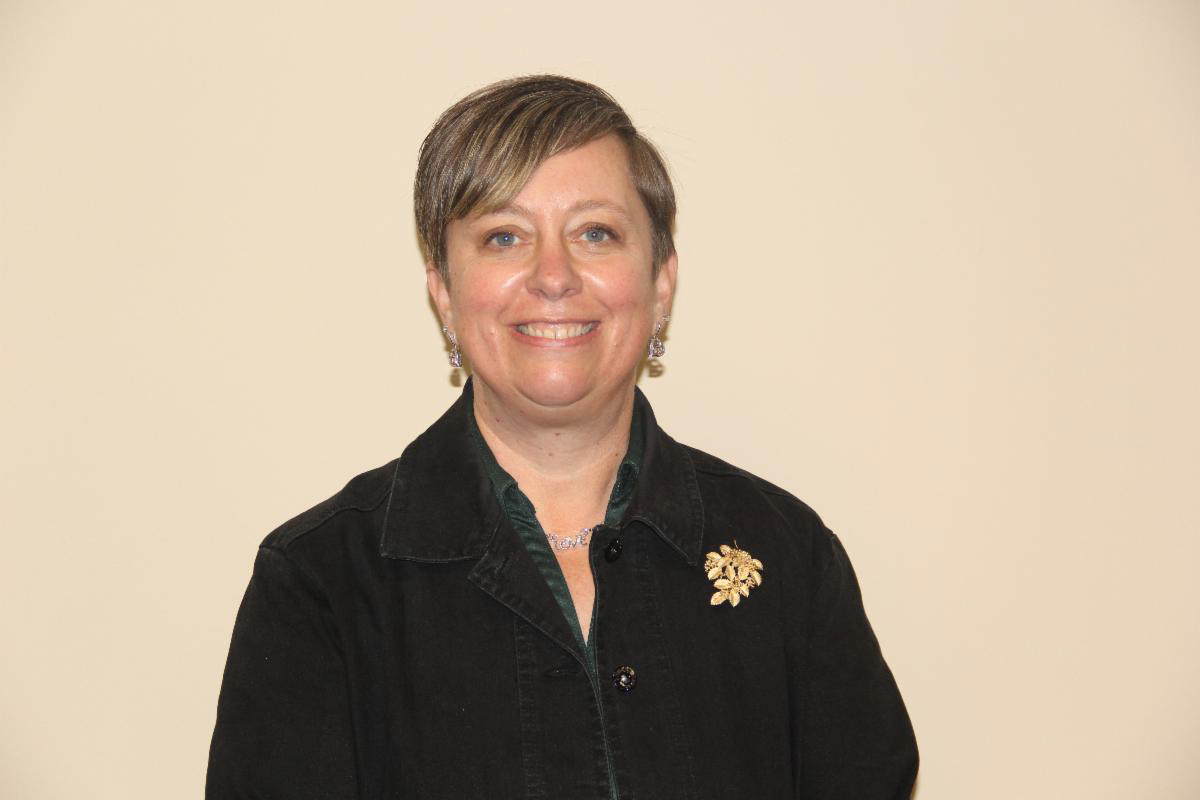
387,512
289,532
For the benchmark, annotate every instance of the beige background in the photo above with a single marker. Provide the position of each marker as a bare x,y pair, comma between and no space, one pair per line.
938,278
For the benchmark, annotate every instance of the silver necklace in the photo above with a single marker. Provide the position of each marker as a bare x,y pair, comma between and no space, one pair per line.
560,541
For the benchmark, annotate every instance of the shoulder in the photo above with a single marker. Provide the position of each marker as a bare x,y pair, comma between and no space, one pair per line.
362,495
734,497
727,481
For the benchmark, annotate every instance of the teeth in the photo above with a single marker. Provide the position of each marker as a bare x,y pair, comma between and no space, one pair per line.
564,331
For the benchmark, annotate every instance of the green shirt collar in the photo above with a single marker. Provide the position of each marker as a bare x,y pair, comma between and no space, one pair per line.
515,503
441,505
523,517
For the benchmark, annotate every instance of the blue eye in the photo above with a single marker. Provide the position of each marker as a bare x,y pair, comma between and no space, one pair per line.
597,235
503,238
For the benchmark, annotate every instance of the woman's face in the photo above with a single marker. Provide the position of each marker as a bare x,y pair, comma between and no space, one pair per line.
552,298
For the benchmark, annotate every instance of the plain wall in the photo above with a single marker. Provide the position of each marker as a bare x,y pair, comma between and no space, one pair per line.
938,277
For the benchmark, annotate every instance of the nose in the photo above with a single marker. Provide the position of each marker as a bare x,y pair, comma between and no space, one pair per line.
553,275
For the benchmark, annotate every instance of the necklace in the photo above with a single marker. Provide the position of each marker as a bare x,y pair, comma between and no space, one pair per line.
559,541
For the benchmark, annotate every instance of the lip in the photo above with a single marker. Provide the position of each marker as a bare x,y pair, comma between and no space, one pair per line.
567,329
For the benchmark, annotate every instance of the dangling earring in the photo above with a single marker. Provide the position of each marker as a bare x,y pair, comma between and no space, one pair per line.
455,353
656,348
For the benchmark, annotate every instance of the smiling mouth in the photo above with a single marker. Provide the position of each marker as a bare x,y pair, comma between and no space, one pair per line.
556,330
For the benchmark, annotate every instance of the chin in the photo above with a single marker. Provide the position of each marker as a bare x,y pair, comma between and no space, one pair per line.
555,391
552,387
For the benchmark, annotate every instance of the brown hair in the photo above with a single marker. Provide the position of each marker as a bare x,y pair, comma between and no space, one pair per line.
484,148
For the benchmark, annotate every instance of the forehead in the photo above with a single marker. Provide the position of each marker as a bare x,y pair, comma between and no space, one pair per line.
592,176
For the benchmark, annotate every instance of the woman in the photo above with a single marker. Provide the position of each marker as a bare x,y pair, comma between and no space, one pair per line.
545,595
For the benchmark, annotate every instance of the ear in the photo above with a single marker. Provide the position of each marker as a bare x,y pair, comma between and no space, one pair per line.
664,286
439,292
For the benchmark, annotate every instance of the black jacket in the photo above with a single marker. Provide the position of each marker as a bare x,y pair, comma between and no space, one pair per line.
397,641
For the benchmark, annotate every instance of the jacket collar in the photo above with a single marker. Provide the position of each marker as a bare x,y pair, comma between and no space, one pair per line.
441,506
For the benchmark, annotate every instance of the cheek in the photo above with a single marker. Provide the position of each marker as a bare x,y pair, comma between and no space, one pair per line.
626,291
631,305
478,299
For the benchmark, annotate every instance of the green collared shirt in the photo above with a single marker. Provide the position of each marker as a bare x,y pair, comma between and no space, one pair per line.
524,519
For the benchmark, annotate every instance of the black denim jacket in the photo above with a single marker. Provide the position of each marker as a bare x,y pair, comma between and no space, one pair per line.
397,641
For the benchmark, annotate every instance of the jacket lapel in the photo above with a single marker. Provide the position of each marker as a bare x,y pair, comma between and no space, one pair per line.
507,572
442,508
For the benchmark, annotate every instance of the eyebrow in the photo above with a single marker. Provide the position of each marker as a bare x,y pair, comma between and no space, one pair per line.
582,205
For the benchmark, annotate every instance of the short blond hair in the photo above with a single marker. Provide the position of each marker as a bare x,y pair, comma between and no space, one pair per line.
484,148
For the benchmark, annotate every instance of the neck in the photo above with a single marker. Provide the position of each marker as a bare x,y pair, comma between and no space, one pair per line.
567,464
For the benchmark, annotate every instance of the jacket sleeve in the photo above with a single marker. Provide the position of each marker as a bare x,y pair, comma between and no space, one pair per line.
283,723
855,738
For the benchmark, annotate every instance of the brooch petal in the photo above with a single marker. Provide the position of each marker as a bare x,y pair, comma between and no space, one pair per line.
734,573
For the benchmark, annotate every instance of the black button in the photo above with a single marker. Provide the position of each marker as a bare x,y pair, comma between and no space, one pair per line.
625,678
613,551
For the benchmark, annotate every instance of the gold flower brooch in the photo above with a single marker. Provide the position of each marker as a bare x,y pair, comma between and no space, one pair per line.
733,573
